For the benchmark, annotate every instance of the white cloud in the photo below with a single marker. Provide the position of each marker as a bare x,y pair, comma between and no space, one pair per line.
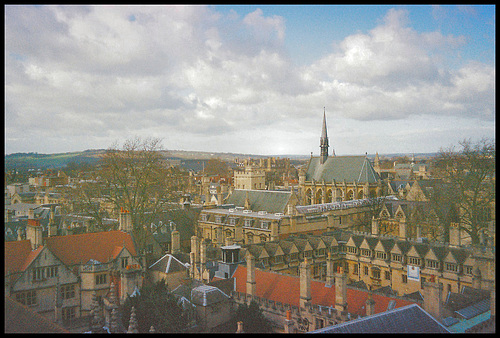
208,80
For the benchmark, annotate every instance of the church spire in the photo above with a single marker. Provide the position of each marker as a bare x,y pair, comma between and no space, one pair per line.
323,143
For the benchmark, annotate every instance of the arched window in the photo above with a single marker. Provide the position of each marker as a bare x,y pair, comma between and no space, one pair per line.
308,196
360,195
319,196
350,195
328,196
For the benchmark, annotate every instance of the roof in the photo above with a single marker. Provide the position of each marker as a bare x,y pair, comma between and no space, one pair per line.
286,289
261,200
342,168
16,254
100,246
21,319
168,264
407,319
206,295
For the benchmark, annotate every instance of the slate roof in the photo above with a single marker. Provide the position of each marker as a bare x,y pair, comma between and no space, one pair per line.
339,168
286,289
407,319
261,200
206,295
168,264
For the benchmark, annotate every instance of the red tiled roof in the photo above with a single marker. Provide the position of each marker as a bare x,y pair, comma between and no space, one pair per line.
33,254
100,246
16,253
286,289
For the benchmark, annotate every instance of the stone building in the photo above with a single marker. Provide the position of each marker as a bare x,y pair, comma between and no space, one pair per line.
337,178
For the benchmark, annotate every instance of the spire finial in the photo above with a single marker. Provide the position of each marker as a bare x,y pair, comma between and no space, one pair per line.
323,142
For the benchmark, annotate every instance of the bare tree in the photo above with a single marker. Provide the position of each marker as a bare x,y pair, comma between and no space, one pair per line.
134,178
470,172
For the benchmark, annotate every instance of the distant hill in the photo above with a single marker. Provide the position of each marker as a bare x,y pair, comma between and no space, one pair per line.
25,161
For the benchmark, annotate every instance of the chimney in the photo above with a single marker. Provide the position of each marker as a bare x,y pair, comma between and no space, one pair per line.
492,302
370,305
195,248
454,234
240,327
34,233
203,252
340,290
305,283
176,241
375,228
330,278
432,298
251,284
125,220
238,232
476,278
402,228
289,322
31,213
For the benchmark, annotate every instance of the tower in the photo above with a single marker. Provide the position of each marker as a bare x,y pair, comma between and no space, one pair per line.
323,142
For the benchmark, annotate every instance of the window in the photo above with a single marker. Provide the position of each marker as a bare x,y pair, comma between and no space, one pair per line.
355,270
381,255
278,259
366,270
388,275
432,264
52,271
232,221
404,279
124,262
27,297
321,252
422,281
468,270
366,252
204,217
376,273
68,291
294,256
352,249
38,274
68,313
414,261
346,269
451,267
248,222
265,225
100,279
397,258
308,254
218,219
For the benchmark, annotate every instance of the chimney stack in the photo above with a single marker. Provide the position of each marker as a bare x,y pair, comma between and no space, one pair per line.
240,328
370,305
305,283
176,241
375,228
402,228
251,284
432,298
34,233
330,278
340,290
289,322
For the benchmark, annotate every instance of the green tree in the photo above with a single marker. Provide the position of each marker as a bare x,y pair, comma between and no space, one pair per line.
156,306
253,319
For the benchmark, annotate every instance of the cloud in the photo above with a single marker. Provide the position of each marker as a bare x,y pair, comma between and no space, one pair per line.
96,73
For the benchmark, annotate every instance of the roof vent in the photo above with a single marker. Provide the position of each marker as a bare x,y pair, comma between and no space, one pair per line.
247,211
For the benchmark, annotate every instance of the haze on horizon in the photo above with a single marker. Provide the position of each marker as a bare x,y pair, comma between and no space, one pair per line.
249,79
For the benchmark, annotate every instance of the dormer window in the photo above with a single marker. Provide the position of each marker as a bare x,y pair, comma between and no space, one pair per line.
204,217
249,222
366,252
232,221
414,261
265,224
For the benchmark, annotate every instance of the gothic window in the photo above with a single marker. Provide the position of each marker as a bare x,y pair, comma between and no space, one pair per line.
360,195
319,196
350,195
308,196
328,196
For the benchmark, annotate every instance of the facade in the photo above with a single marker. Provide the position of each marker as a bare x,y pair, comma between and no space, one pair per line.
57,276
401,266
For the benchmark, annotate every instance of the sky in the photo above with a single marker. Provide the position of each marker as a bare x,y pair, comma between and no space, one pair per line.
249,79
